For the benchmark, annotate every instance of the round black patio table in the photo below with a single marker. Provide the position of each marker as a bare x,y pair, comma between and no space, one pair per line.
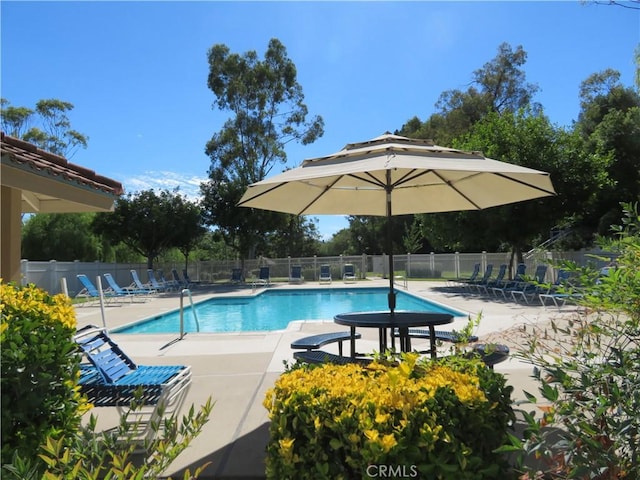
387,321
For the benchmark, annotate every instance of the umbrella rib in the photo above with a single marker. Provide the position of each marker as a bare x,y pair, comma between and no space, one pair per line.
410,176
372,179
324,190
448,182
275,187
548,192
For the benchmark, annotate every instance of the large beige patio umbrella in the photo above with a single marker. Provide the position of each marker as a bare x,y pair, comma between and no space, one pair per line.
394,175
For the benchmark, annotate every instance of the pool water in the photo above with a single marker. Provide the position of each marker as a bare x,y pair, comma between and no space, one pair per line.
274,309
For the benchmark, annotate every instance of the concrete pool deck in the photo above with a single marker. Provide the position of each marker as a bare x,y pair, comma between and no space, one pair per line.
236,369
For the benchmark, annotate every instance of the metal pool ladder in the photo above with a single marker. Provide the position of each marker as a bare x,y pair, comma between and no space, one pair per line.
195,316
193,310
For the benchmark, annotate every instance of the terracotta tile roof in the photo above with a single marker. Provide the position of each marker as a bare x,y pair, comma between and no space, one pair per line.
27,155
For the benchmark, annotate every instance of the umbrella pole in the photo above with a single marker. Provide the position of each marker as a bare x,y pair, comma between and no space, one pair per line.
392,294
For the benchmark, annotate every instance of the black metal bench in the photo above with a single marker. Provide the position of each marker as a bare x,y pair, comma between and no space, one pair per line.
490,354
319,356
314,342
442,335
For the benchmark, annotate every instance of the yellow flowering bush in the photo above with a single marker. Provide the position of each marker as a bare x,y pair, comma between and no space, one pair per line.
420,418
39,366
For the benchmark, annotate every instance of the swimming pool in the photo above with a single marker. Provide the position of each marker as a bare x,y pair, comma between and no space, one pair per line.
274,309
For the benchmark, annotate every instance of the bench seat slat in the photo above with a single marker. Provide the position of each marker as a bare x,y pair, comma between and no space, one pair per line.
314,342
319,356
442,335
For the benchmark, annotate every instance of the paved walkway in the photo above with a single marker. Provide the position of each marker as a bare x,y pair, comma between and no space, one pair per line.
235,370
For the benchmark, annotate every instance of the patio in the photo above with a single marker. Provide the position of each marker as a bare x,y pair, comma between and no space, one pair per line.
236,369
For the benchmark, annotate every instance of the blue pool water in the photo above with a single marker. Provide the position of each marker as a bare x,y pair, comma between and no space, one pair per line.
274,309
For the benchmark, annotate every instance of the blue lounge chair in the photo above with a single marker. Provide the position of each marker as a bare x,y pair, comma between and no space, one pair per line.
296,274
155,284
236,276
190,283
179,281
493,282
111,378
482,281
139,285
173,285
264,277
349,273
90,292
531,288
507,285
462,280
325,274
561,291
130,292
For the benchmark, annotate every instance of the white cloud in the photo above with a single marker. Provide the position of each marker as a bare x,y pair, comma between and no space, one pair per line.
187,184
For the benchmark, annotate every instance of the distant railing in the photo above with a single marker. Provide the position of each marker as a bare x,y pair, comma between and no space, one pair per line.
556,234
48,275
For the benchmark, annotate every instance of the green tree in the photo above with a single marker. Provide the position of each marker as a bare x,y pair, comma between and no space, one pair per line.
413,240
189,222
499,86
53,131
268,110
149,223
300,238
339,244
609,122
370,234
61,236
532,141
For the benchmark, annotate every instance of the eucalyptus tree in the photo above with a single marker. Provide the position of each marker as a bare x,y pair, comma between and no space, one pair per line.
267,104
498,86
47,127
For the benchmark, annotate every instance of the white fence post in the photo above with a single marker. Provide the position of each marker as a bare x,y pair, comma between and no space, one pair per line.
52,277
456,265
24,272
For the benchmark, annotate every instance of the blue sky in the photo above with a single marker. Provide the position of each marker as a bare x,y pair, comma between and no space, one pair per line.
136,72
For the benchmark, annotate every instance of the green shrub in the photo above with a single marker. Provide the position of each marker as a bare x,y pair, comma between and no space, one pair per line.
589,373
115,454
42,435
418,419
39,369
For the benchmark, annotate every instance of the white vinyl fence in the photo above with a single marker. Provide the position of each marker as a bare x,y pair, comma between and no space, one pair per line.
49,275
